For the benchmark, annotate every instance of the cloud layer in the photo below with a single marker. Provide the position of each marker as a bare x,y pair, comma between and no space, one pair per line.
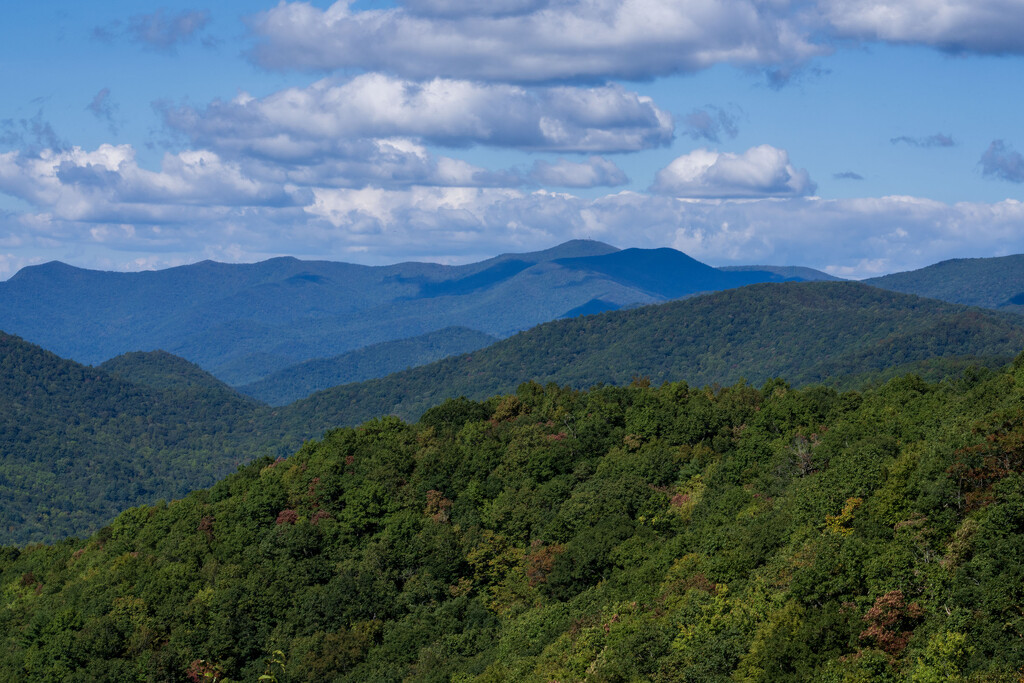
543,40
364,160
303,122
978,26
579,40
850,237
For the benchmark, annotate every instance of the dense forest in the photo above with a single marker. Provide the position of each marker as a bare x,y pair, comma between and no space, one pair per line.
80,444
634,533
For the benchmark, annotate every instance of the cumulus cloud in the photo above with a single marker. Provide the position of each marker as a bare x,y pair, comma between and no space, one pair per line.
99,203
937,140
711,122
388,162
1002,161
978,26
532,41
303,122
762,171
848,175
163,31
595,172
551,40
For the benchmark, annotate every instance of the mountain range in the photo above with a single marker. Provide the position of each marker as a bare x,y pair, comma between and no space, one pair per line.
669,488
245,322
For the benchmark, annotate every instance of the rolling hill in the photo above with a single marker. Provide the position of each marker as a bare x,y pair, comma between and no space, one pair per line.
78,444
634,533
810,332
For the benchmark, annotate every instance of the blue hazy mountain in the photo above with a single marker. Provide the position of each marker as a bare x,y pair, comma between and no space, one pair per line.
244,322
376,360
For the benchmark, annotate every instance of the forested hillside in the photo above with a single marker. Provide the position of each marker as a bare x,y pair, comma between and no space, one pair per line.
79,444
840,333
631,533
990,282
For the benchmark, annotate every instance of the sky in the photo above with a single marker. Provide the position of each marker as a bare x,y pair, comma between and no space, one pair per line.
859,137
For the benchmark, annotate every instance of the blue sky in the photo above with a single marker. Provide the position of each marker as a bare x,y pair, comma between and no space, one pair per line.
856,136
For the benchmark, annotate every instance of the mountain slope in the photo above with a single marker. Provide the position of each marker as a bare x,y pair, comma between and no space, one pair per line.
809,332
665,273
785,272
377,360
987,282
79,445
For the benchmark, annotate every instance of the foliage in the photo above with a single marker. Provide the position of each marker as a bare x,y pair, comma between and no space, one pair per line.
81,444
625,533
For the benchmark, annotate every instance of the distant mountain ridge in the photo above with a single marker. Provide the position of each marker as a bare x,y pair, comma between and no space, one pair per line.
244,322
996,282
376,360
787,272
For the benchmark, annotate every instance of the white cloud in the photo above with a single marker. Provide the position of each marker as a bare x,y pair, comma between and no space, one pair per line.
533,41
762,171
328,117
595,172
108,184
982,26
100,208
